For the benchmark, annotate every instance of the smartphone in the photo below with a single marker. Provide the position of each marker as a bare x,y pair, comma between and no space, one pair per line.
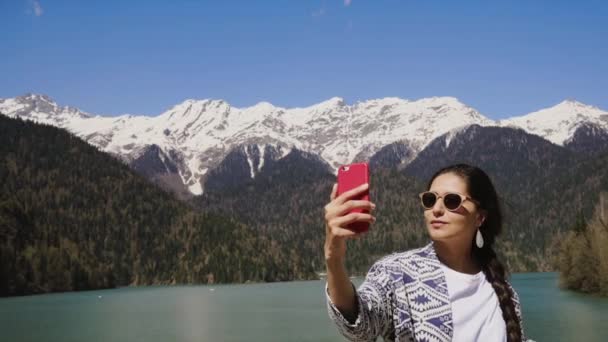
349,177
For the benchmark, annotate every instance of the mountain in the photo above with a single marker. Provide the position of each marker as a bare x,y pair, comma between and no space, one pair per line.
41,108
395,155
154,164
247,163
589,139
513,156
195,137
277,187
75,218
559,123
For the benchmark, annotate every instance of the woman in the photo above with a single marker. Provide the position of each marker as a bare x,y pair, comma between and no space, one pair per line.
454,289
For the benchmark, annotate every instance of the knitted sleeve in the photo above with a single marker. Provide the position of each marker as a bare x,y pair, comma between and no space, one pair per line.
374,313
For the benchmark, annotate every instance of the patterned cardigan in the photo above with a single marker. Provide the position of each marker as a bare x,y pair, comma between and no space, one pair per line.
403,298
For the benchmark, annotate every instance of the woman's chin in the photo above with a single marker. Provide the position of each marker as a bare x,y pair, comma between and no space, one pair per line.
439,233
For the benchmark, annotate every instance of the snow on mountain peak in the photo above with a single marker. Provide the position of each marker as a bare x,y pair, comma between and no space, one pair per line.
449,100
558,123
334,102
210,103
576,106
262,110
40,108
198,134
262,105
382,102
36,97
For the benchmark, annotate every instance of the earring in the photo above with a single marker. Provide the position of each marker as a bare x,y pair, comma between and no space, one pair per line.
479,239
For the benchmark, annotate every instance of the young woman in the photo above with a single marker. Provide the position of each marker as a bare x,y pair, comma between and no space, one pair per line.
454,289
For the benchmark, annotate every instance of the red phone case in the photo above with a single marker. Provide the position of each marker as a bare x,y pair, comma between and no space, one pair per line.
349,177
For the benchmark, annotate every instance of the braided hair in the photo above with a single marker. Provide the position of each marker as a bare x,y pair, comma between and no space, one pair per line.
480,188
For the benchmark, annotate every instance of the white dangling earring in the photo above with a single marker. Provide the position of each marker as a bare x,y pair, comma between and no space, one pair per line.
479,239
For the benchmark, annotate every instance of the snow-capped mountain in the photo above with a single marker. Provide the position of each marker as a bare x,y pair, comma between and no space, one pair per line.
558,123
40,108
195,136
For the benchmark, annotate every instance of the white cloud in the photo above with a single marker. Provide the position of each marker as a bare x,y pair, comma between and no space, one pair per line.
34,8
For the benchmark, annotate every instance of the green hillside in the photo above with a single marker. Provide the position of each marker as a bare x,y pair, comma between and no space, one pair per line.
74,218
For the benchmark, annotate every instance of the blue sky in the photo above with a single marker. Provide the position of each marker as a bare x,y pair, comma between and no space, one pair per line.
112,57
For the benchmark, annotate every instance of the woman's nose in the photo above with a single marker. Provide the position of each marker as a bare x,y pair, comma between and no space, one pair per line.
438,208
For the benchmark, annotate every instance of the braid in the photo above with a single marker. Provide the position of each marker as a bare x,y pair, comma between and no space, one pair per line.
496,275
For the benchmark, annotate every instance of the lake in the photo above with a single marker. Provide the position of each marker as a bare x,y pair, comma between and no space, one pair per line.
290,311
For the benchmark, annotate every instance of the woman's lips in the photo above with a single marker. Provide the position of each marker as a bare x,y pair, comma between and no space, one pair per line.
437,224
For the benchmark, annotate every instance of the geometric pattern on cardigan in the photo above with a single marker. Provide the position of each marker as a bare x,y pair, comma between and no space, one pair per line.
404,298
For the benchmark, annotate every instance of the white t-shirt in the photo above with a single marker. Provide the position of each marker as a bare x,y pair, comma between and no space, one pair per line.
476,313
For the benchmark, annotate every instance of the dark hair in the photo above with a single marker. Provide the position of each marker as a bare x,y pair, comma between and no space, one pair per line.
480,188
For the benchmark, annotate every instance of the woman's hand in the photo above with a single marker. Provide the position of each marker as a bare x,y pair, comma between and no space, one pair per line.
336,221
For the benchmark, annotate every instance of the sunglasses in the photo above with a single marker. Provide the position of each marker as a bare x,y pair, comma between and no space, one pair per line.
451,201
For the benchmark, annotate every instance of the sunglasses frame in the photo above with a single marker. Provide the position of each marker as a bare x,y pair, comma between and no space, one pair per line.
437,197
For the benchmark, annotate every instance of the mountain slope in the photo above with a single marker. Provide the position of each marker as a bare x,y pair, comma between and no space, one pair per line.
73,218
588,139
514,157
288,202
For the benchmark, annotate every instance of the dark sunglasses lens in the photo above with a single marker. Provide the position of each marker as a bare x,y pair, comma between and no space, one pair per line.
428,199
452,201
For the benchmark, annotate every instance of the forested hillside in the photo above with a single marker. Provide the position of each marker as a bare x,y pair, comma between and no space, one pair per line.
74,218
582,253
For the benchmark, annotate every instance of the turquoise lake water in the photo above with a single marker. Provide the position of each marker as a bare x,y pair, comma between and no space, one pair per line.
290,311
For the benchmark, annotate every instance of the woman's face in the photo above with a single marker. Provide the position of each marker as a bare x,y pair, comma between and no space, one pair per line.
460,225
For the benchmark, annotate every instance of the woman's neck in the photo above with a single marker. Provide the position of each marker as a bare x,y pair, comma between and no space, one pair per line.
459,258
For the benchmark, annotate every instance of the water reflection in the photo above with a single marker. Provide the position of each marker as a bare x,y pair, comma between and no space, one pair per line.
193,310
293,311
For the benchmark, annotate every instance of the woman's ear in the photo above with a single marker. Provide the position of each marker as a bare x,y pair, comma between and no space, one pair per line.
481,217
